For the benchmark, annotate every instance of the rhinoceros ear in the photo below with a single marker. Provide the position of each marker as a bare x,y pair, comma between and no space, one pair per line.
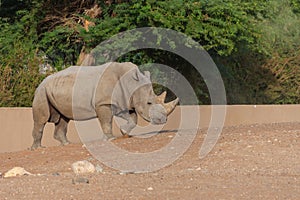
147,74
136,75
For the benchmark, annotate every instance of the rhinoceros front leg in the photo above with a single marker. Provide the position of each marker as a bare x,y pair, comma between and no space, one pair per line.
131,122
105,116
37,134
60,132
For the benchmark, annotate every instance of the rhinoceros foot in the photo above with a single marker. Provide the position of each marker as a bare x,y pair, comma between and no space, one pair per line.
65,143
127,136
109,137
62,139
36,146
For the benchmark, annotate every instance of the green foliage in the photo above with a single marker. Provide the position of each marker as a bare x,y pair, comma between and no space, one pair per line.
18,85
255,43
18,62
280,28
295,4
282,39
60,47
218,25
273,75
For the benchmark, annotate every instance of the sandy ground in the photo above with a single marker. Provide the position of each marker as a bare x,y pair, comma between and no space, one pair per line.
248,162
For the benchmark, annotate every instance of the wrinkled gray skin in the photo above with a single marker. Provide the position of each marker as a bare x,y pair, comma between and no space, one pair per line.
82,93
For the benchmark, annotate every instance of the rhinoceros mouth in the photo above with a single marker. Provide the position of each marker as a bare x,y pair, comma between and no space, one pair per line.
157,114
158,121
147,118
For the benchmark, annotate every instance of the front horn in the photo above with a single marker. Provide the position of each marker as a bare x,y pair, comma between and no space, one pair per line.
171,106
168,106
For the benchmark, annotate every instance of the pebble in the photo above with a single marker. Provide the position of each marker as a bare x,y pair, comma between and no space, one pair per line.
80,180
83,167
150,188
55,174
99,169
90,159
126,172
198,169
16,171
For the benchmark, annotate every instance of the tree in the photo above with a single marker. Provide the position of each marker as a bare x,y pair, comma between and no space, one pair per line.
254,42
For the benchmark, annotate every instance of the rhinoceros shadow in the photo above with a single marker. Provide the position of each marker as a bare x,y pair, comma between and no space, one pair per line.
152,133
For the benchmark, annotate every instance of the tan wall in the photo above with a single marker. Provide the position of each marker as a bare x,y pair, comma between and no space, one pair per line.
16,123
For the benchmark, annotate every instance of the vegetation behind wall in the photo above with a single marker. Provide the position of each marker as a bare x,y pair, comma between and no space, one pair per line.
255,44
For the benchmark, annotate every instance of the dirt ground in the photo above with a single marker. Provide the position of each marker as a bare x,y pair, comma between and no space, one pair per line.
248,162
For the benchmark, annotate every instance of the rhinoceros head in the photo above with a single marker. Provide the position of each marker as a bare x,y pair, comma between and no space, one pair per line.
151,107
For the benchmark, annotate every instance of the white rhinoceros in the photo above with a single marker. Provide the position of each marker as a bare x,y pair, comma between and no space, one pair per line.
82,93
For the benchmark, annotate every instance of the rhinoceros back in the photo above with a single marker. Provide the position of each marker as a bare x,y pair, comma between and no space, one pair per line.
72,91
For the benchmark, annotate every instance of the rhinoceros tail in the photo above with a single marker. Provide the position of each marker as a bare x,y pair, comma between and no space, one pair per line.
40,106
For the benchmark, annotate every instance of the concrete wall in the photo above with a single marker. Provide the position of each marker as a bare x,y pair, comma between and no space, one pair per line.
16,123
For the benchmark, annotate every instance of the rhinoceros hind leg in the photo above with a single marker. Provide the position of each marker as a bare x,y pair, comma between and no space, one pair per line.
37,134
60,132
104,114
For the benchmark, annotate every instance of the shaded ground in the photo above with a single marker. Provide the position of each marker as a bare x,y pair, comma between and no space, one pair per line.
248,162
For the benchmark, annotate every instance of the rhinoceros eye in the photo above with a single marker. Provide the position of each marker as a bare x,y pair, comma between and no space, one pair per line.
149,103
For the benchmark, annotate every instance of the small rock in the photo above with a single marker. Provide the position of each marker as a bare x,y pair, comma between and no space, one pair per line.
126,172
83,167
198,169
80,180
150,188
55,174
99,169
16,171
90,159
